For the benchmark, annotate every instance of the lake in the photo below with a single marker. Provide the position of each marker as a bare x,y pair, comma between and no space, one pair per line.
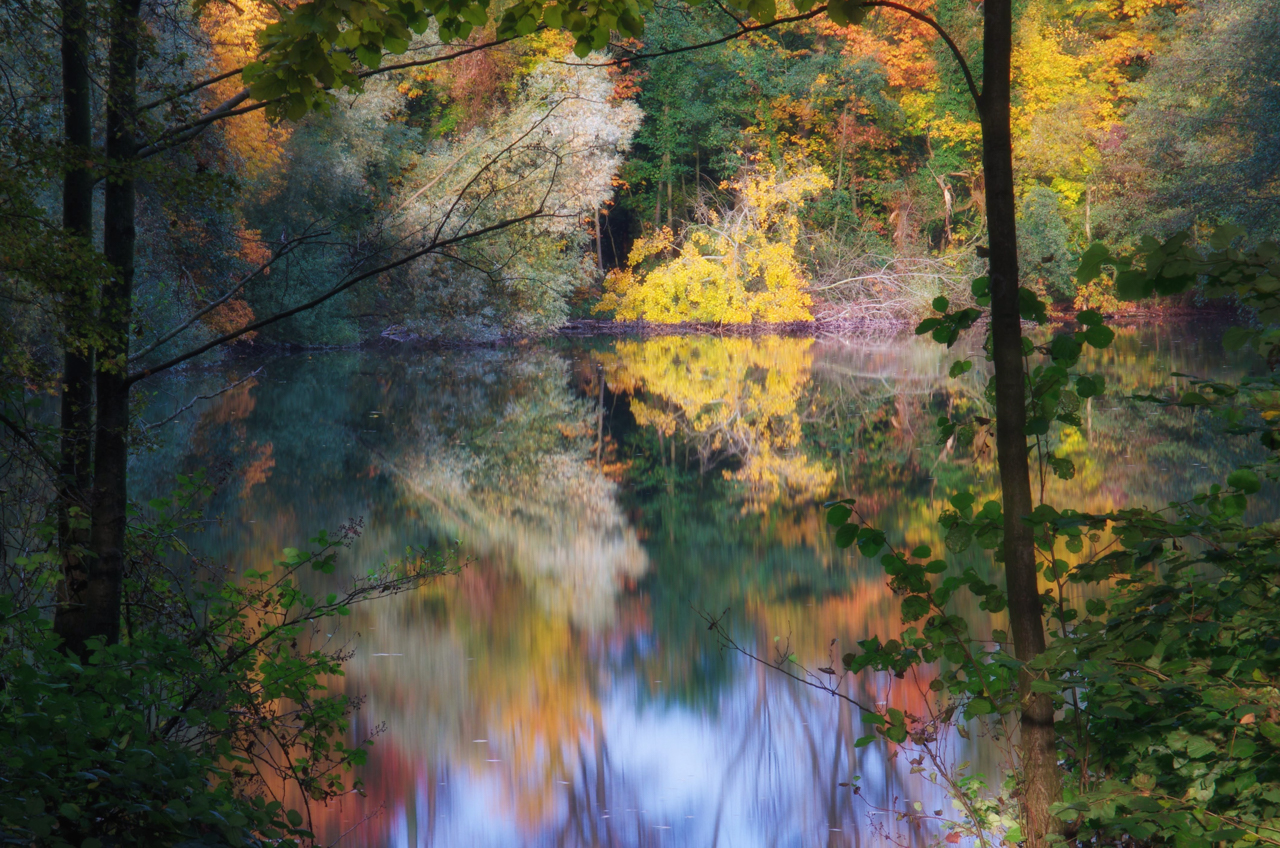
563,689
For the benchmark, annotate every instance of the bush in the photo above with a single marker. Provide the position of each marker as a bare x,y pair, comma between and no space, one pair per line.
191,731
1044,252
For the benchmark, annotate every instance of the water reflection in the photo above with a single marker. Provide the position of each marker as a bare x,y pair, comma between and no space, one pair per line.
562,690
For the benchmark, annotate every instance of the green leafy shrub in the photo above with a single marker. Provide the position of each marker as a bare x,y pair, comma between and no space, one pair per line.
193,729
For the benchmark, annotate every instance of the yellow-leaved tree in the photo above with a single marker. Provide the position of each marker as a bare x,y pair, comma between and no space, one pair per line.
737,266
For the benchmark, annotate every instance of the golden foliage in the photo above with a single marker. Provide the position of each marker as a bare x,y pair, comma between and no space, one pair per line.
736,268
1097,294
232,29
736,397
902,45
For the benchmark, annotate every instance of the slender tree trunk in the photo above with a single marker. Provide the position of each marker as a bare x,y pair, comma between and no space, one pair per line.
1038,749
98,615
670,201
599,244
1088,222
75,478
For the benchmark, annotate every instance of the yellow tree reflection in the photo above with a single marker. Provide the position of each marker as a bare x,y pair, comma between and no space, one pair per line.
730,397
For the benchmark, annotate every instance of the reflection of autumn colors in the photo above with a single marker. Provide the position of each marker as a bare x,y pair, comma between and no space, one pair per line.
571,644
522,489
731,396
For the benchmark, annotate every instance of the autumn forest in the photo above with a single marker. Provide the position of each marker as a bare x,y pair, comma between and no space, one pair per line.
639,422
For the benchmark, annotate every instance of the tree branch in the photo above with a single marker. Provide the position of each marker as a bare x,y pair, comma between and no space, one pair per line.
742,31
227,109
22,435
191,89
333,292
812,13
937,27
199,398
282,251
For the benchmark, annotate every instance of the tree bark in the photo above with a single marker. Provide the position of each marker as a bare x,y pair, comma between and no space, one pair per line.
76,414
1037,741
98,613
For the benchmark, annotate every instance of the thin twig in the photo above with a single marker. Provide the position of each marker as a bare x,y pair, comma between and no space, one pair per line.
198,398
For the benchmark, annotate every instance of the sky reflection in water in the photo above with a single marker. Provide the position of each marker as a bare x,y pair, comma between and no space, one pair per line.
562,690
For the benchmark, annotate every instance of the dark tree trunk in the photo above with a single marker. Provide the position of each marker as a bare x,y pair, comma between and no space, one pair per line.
1038,749
75,478
98,613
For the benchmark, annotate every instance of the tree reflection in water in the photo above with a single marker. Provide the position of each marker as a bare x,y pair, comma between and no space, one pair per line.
604,495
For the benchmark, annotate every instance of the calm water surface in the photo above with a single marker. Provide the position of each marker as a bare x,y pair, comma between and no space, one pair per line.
563,689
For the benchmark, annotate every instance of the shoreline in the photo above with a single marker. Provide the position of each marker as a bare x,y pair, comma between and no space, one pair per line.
586,328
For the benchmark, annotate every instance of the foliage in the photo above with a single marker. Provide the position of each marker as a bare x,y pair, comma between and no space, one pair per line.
883,111
1200,142
206,723
1162,650
557,148
739,266
1044,252
736,398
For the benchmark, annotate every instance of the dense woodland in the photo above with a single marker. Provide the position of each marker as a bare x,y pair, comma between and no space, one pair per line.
182,183
852,151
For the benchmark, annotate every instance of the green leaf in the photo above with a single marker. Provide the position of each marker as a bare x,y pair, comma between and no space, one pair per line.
846,535
528,24
914,608
1099,335
1244,480
1091,262
960,366
1132,285
838,515
1236,338
1198,747
940,304
1090,386
979,707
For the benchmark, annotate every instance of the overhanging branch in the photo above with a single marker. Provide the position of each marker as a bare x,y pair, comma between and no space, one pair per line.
333,292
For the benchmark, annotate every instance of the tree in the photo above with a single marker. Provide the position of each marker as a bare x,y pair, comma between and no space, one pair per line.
323,45
96,298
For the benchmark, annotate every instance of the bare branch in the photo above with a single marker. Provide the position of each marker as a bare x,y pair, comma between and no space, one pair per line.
743,31
24,436
227,109
199,398
937,27
280,252
333,292
191,89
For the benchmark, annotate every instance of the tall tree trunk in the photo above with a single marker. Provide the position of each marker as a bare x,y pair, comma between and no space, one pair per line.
98,614
1037,744
75,478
